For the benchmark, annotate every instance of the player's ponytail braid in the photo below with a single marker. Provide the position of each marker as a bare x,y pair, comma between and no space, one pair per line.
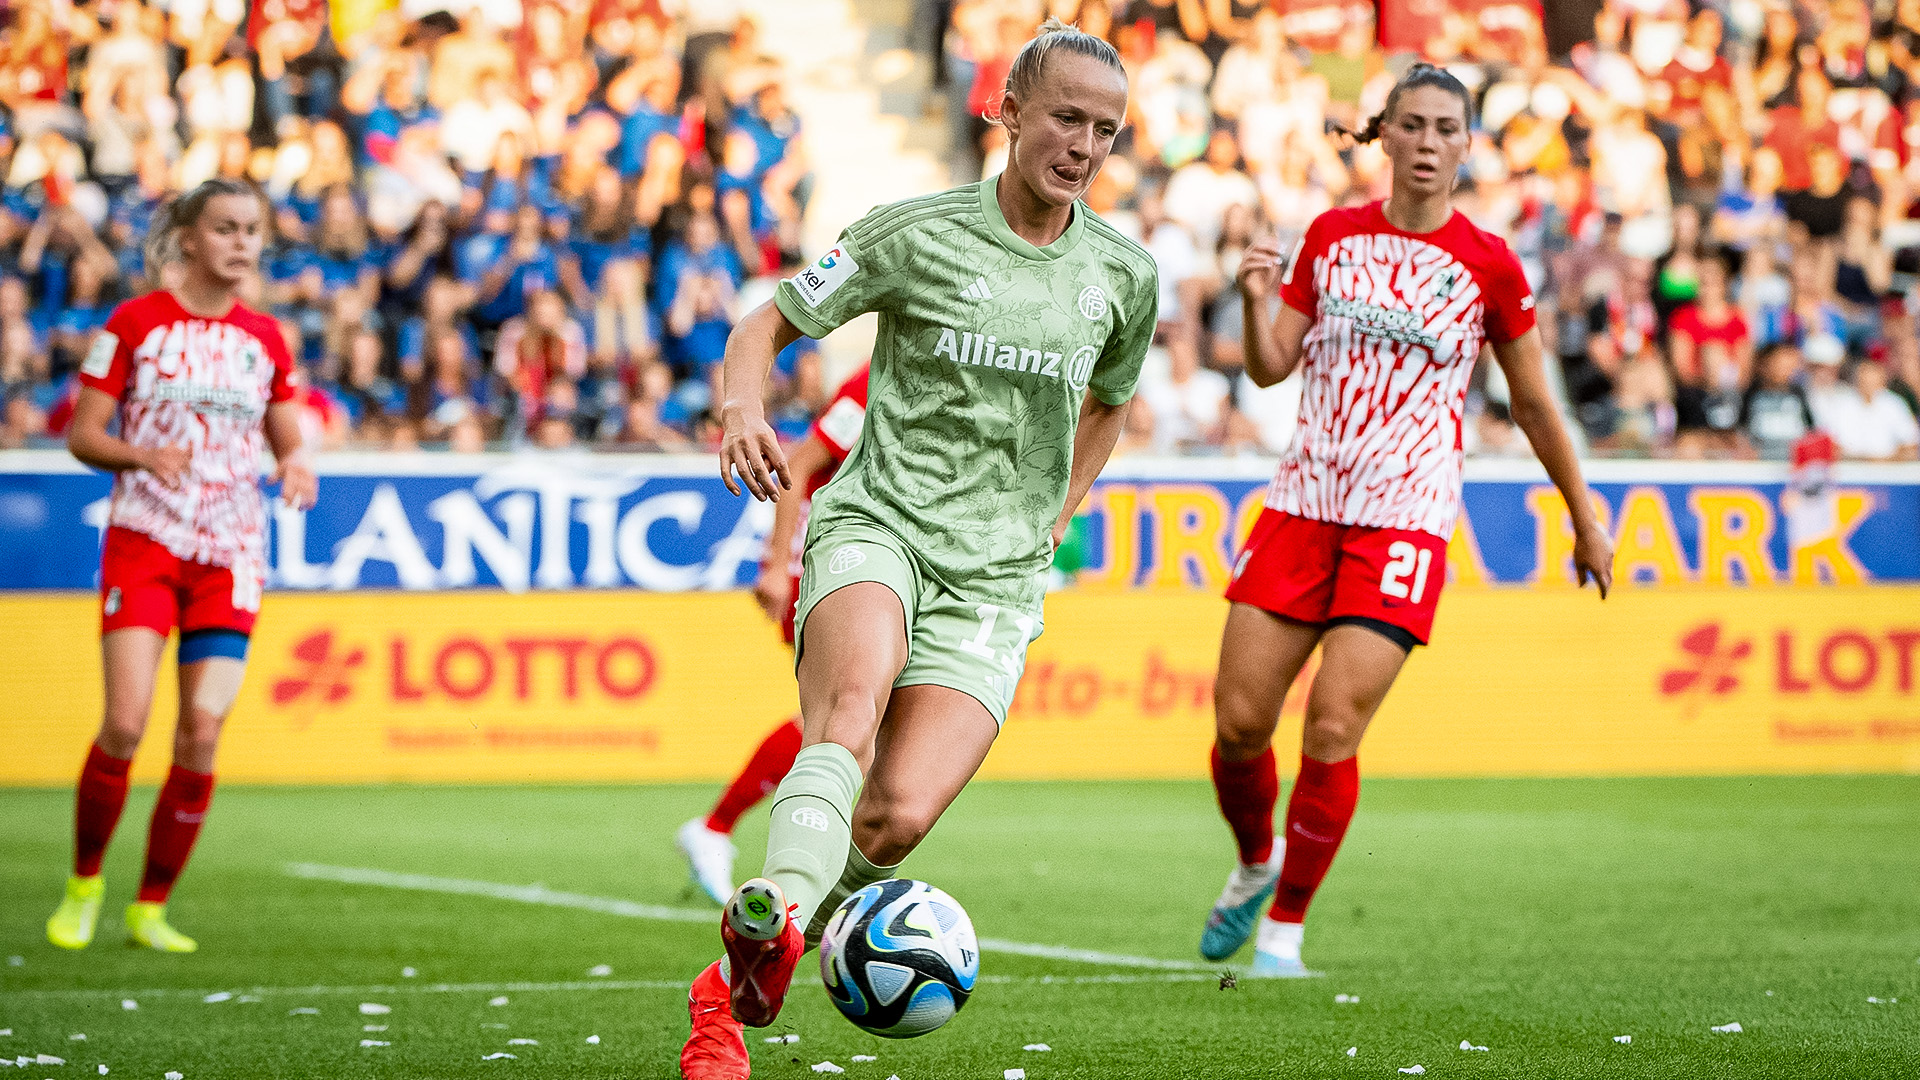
1421,74
163,240
1054,36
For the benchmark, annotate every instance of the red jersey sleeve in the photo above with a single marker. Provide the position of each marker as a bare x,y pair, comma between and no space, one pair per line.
1297,288
109,363
1509,299
838,425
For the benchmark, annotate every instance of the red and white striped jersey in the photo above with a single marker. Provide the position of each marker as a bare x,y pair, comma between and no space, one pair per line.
1398,321
186,380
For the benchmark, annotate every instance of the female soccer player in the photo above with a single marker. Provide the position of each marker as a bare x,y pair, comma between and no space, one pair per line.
194,377
1013,322
708,842
1387,306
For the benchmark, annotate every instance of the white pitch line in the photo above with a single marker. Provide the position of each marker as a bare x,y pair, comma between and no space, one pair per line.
547,987
540,894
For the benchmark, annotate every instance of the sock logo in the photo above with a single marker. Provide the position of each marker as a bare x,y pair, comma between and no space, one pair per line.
845,559
808,817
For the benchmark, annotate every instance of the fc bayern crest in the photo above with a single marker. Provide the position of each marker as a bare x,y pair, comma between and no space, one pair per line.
1093,302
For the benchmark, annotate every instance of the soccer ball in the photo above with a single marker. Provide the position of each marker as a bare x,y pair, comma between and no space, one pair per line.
899,958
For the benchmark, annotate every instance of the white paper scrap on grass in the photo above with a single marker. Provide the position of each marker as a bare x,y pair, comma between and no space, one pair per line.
501,1027
865,1057
16,961
501,1000
787,1038
370,1008
248,999
600,971
828,1067
304,1010
408,973
78,1037
1624,1040
1346,999
1040,1048
593,1040
366,1043
373,1027
103,1070
1353,1051
48,1059
523,1042
129,1004
1415,1070
1727,1029
6,1031
217,997
499,1055
1467,1044
1883,1001
171,1075
1015,1074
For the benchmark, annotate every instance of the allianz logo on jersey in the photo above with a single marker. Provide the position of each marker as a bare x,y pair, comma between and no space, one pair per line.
974,349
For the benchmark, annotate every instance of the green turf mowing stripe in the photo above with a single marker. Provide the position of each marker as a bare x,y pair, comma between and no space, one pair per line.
541,895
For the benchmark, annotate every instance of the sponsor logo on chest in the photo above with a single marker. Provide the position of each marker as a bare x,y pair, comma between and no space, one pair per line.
974,349
213,367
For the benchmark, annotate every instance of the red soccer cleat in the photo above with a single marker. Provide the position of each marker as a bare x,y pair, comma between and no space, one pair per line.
716,1050
763,947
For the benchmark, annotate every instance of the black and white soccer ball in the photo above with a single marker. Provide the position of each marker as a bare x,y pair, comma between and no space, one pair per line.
899,958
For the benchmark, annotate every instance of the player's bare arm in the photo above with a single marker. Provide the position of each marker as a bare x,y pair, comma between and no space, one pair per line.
293,469
749,448
1093,443
1534,412
89,440
1273,347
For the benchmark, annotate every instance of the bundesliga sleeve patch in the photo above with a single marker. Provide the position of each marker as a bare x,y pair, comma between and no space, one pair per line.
99,359
817,282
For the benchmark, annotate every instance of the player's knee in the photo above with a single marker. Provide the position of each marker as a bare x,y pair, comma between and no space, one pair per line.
198,734
1241,728
121,731
900,829
1333,730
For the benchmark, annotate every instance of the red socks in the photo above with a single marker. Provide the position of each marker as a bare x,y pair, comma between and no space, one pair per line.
1317,818
96,808
176,824
763,772
1247,791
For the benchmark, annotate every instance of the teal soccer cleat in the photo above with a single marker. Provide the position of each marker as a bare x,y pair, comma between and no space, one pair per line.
1232,919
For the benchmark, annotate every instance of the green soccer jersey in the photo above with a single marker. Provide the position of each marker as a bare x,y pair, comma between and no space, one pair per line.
987,344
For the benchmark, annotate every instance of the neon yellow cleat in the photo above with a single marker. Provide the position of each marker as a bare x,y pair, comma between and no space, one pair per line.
71,926
148,925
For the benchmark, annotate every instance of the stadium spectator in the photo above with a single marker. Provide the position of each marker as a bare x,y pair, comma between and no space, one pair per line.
1867,420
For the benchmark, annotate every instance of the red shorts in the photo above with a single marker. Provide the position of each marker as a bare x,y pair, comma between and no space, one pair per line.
1318,572
144,584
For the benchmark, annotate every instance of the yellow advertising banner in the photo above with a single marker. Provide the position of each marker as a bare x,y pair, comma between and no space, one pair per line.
631,686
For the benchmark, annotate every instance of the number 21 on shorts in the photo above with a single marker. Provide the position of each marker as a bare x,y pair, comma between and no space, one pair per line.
1406,559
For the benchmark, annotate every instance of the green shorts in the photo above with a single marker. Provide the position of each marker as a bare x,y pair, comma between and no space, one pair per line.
977,648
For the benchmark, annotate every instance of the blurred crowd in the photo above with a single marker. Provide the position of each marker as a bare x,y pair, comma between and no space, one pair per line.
495,222
1711,198
533,222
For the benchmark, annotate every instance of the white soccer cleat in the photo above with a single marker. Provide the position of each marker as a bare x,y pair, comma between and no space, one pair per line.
709,857
1276,952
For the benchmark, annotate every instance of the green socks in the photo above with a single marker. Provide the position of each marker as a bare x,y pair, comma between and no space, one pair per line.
858,875
812,829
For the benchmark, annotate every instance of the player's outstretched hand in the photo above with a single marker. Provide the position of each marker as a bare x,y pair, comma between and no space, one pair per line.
168,464
749,448
1260,267
1593,559
298,486
774,592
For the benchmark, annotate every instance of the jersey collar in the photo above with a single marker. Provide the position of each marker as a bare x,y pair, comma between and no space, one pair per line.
997,225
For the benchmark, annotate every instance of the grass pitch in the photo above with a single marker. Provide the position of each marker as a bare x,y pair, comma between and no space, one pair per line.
1539,919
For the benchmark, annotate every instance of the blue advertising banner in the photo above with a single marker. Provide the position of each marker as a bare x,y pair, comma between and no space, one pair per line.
666,523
